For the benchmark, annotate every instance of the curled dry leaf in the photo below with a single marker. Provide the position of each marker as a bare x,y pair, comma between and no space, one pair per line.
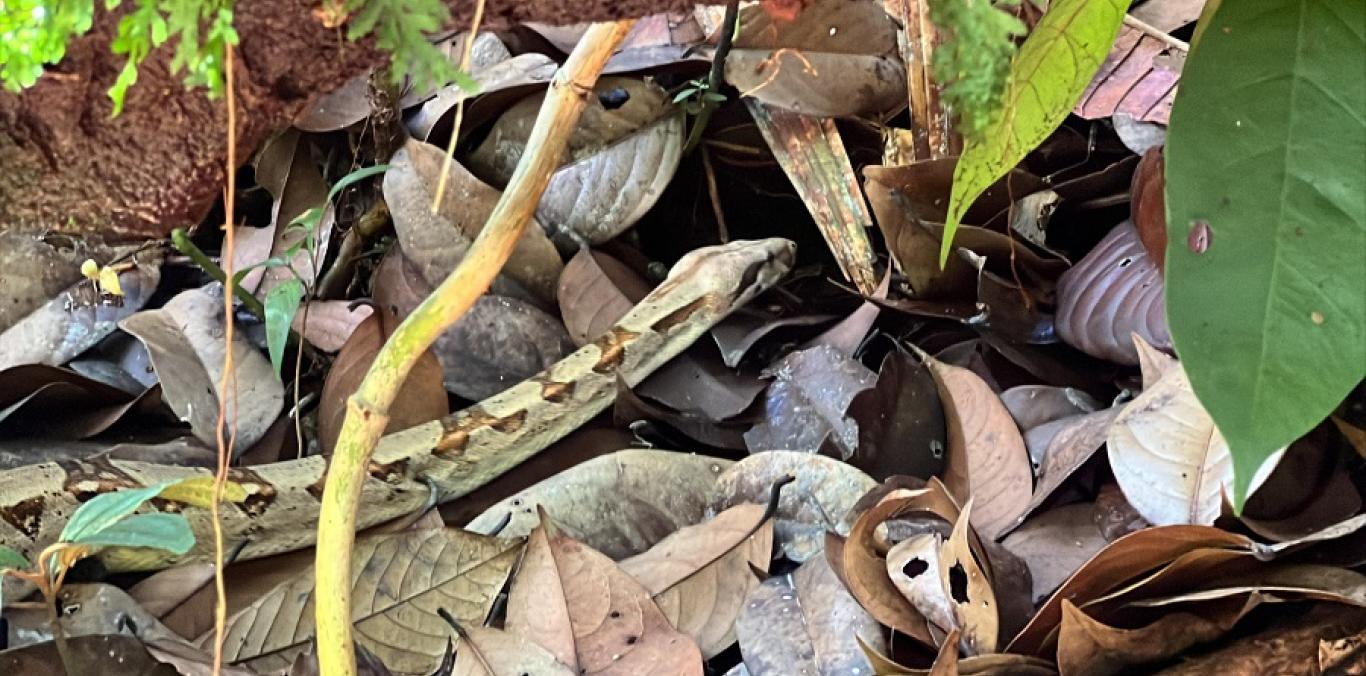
1120,561
1138,78
421,398
833,60
1114,291
810,392
805,623
986,455
185,341
1055,544
969,590
620,504
1088,647
817,501
1169,457
913,566
865,570
515,75
76,319
401,581
286,170
616,627
51,403
436,242
700,575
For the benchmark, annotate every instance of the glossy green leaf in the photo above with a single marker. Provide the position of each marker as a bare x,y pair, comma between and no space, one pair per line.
170,532
12,559
1047,77
102,511
1266,210
282,302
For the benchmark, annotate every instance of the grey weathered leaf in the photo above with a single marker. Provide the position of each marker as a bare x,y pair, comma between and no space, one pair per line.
1055,544
807,400
185,340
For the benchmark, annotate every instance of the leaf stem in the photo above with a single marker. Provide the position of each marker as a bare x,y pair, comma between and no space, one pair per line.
181,241
716,75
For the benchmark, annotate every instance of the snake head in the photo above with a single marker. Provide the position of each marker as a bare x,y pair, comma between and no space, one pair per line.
742,268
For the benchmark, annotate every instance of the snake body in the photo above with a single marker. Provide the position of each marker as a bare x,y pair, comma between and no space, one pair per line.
449,457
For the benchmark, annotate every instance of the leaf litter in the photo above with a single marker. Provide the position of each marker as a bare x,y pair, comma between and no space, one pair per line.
992,466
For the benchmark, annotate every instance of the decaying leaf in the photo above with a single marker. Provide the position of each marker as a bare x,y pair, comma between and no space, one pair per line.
594,291
1070,444
185,340
832,60
810,392
620,504
420,399
822,494
865,571
327,324
1092,648
1138,78
986,455
402,580
969,590
1113,292
913,566
805,622
700,575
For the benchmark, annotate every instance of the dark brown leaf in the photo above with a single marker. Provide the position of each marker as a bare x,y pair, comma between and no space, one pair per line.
900,422
1147,205
1055,544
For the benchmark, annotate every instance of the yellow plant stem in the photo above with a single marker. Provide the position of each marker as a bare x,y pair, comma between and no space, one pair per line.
367,411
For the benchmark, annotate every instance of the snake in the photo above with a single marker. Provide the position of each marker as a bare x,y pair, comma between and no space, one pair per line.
440,460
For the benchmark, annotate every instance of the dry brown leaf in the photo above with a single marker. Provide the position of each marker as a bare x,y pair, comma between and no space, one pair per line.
969,591
1034,405
493,652
946,662
327,324
1147,205
698,384
986,455
617,628
76,319
185,340
421,398
1120,561
865,569
436,242
87,655
1169,457
805,623
833,60
1112,292
699,576
822,494
49,403
1137,78
401,580
286,170
999,664
900,421
1073,442
1055,544
1087,647
594,291
620,504
536,608
913,566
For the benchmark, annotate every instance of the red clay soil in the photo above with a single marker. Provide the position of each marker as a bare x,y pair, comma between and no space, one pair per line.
70,167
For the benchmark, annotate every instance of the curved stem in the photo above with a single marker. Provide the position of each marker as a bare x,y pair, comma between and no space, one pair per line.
367,411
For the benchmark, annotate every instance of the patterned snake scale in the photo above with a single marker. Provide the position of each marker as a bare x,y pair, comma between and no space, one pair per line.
448,457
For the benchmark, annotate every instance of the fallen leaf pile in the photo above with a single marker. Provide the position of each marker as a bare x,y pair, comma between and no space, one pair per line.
883,466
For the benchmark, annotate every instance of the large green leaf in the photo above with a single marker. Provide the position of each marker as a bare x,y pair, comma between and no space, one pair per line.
1266,163
1047,77
102,511
170,532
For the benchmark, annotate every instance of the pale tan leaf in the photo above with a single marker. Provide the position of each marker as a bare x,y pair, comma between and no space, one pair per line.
493,652
620,503
1088,647
700,575
865,570
969,590
1169,457
913,565
617,628
986,457
594,291
326,324
1152,362
185,340
400,582
536,608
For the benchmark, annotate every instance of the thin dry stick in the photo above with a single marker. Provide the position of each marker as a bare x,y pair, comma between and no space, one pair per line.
367,411
227,382
459,105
